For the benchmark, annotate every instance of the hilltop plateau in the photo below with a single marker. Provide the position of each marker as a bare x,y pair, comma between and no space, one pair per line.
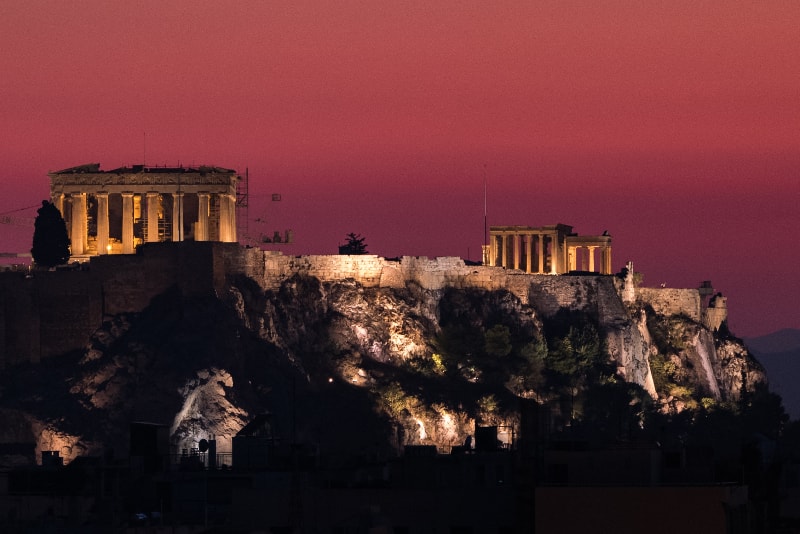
356,354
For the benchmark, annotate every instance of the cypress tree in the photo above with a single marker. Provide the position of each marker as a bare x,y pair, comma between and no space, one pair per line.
50,239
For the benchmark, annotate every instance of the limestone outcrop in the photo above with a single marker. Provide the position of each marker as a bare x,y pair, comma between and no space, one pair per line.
351,352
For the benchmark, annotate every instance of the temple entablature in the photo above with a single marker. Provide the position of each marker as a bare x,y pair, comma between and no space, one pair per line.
112,212
551,249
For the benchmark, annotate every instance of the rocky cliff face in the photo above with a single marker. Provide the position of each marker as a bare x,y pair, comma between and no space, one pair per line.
350,366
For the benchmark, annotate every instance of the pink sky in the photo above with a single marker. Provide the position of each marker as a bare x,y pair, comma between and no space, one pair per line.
673,125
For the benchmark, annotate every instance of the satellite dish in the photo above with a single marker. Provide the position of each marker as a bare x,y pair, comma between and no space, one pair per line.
203,445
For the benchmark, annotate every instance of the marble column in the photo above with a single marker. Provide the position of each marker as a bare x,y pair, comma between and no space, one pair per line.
541,254
504,251
177,216
591,258
102,223
202,217
515,244
227,218
127,223
58,202
606,255
529,255
152,217
78,235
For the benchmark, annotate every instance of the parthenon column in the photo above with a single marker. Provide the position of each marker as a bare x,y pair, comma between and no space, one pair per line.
529,255
504,251
227,218
78,235
102,222
541,254
572,255
202,217
152,217
591,258
515,243
606,255
58,201
177,216
554,254
127,223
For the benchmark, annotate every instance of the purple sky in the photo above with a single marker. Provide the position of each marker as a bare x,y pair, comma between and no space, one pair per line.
674,125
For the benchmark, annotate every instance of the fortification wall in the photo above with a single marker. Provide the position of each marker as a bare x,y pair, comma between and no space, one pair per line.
19,324
46,315
54,312
714,317
70,307
546,293
130,282
671,301
373,271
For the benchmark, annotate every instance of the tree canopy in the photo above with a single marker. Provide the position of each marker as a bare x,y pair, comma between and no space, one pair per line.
50,239
354,245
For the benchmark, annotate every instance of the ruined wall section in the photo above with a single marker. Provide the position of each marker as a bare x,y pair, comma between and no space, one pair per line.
671,301
70,307
548,294
130,282
19,321
57,311
598,295
372,271
44,315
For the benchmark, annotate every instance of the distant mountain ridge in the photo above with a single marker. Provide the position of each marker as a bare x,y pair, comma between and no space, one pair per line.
784,340
779,353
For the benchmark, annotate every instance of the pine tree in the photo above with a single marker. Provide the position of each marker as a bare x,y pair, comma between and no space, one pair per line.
50,239
355,245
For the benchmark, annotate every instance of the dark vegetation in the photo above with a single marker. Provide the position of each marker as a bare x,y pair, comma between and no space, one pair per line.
50,240
354,245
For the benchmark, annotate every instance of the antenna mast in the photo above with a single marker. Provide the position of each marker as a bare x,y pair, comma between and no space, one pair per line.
485,226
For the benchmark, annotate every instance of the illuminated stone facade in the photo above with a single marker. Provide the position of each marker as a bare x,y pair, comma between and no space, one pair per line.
111,212
547,250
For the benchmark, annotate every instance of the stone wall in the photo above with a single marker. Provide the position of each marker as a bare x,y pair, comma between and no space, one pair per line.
57,311
671,301
44,315
19,320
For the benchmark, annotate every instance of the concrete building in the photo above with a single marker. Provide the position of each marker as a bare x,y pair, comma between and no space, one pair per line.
553,249
111,212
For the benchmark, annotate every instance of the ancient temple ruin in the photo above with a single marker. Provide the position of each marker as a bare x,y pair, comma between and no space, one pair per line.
111,212
551,249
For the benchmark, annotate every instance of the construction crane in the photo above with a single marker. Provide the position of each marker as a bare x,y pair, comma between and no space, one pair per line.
275,237
6,218
243,216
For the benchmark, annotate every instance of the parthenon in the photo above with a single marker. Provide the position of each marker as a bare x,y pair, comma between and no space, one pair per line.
551,249
111,212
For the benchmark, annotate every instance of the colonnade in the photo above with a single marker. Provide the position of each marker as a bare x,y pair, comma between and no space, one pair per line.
547,250
111,212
